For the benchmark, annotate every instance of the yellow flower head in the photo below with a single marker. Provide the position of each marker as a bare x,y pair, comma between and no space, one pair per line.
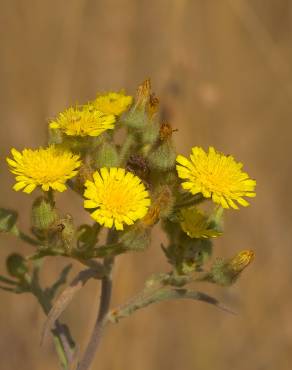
196,224
112,103
118,197
83,122
216,176
45,167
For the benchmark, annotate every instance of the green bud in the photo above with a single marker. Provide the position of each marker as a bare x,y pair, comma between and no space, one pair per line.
16,265
67,230
163,156
226,272
150,133
136,118
8,220
106,155
142,114
43,214
55,137
137,238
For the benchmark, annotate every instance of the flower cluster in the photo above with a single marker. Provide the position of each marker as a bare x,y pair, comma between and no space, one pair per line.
118,156
116,196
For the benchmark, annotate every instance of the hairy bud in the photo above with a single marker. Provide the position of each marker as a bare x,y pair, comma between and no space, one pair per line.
16,265
43,214
226,272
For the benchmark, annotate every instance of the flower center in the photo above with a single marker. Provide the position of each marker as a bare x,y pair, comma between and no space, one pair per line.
116,200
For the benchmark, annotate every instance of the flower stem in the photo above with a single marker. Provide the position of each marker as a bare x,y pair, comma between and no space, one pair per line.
105,297
126,147
196,199
63,343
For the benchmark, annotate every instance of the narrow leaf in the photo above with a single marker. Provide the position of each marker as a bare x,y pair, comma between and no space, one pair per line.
7,289
65,298
159,295
6,280
62,280
8,219
109,250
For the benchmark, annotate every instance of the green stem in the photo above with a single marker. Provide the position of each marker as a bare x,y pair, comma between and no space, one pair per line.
51,197
21,235
101,320
28,239
62,343
196,199
126,147
105,297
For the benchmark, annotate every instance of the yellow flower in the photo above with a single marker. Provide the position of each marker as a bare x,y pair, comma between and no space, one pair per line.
45,167
216,176
83,122
118,197
112,103
196,224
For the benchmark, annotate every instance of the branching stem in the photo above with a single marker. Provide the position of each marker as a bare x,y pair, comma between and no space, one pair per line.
105,297
62,342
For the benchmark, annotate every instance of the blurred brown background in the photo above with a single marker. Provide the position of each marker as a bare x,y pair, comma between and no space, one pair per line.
223,70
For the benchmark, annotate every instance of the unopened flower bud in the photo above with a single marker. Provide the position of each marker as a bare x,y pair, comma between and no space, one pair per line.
226,272
162,157
16,265
67,228
7,220
43,214
137,238
150,133
138,116
106,155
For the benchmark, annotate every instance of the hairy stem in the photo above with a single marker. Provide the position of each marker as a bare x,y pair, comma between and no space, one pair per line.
105,297
62,341
126,147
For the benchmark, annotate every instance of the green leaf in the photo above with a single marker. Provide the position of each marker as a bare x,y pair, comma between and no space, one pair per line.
51,292
7,289
109,250
8,220
65,298
6,280
45,253
159,295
